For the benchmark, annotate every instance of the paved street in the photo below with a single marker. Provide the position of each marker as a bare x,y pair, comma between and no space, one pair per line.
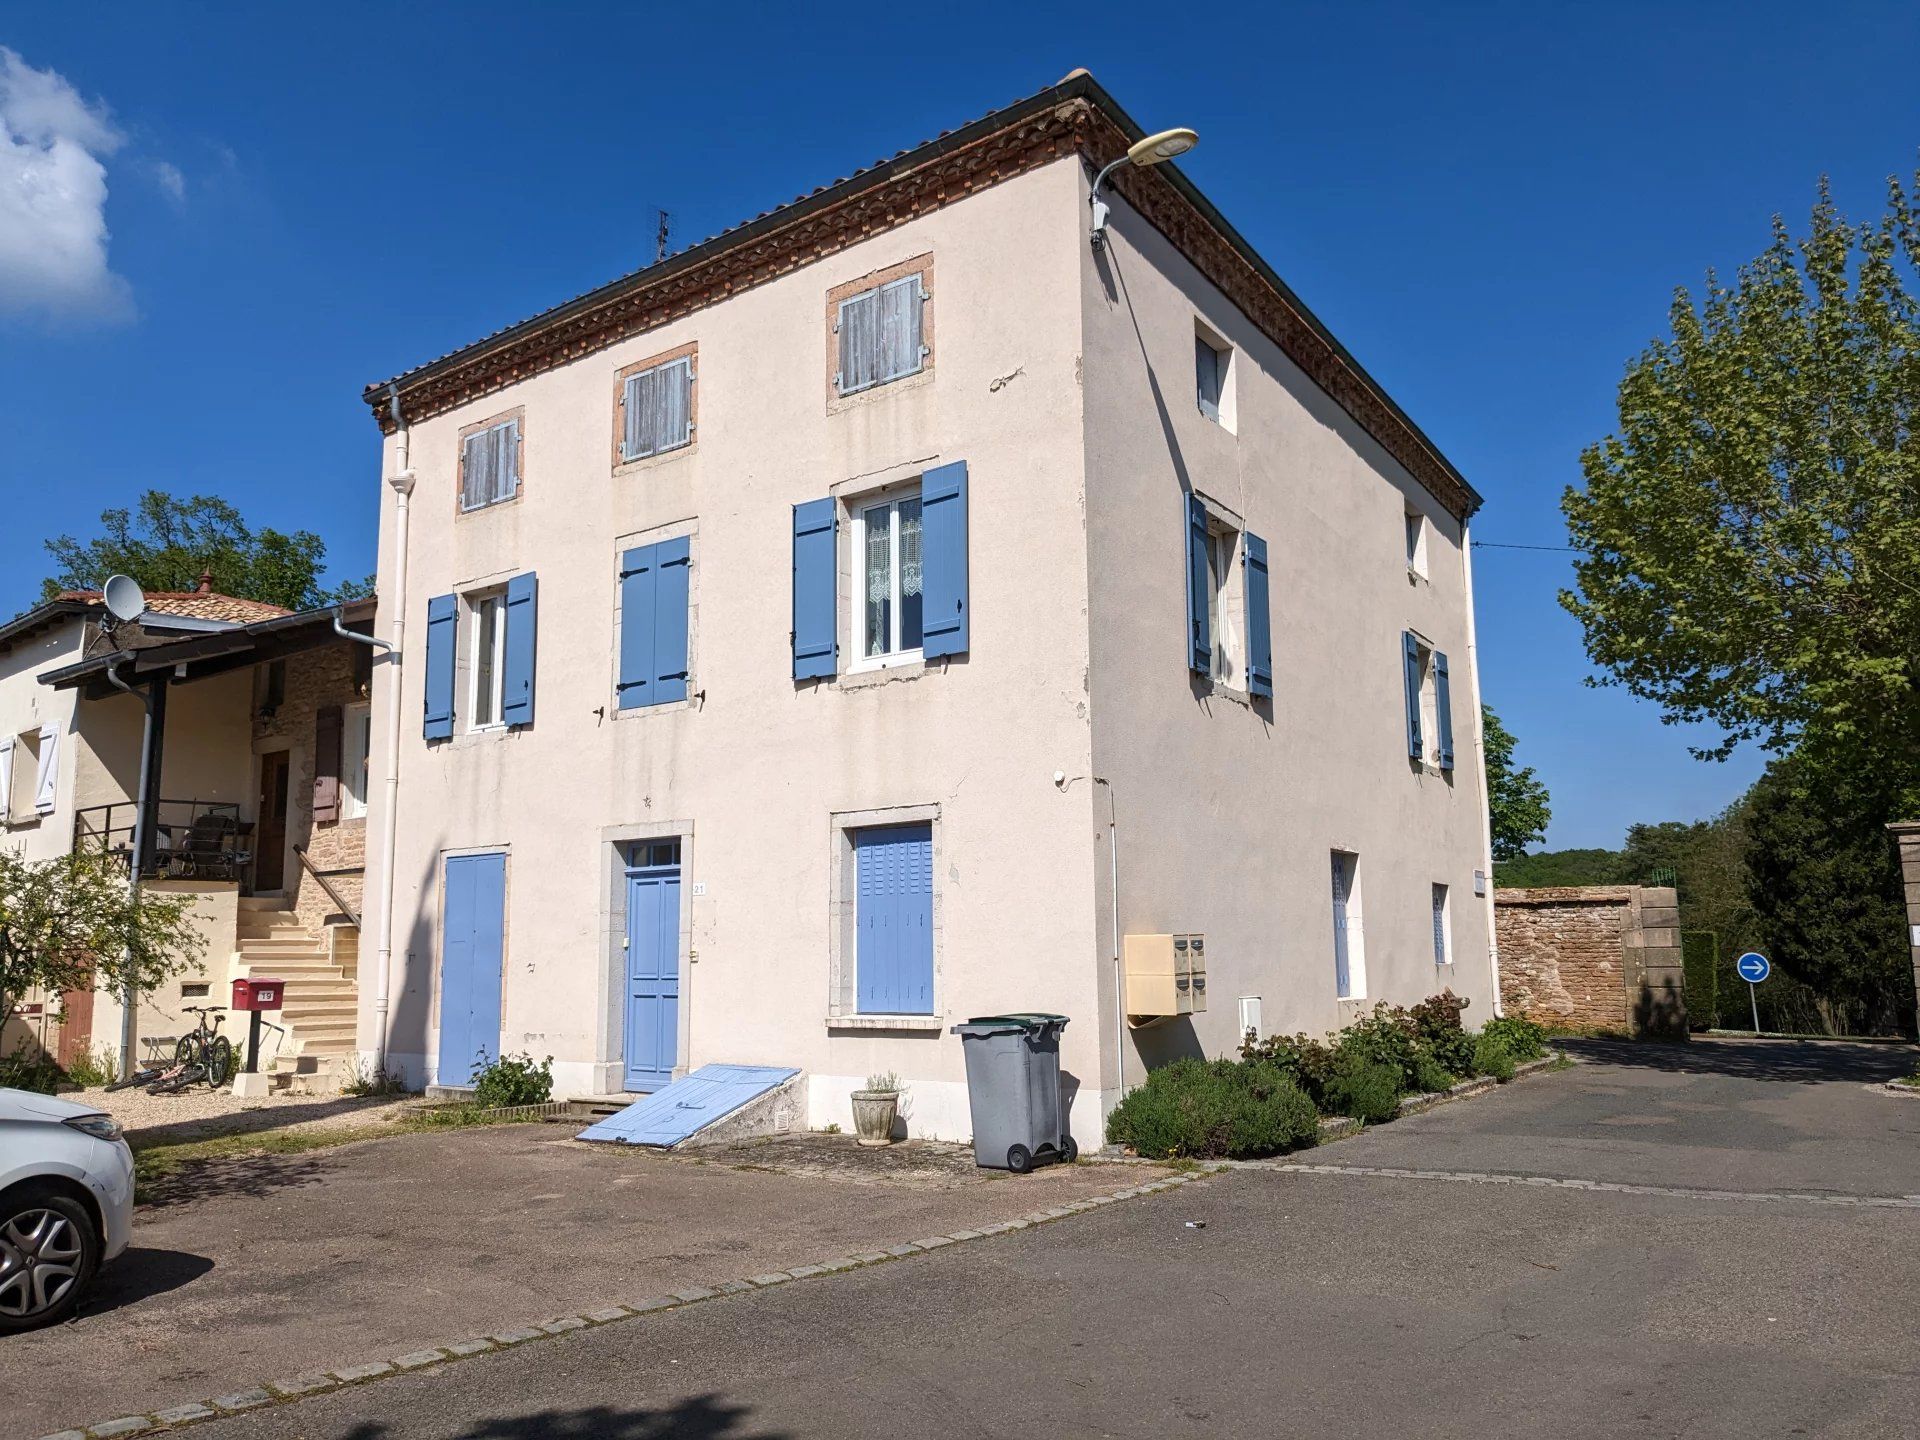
1319,1303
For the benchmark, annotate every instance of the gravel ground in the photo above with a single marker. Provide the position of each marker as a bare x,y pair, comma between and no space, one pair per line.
201,1112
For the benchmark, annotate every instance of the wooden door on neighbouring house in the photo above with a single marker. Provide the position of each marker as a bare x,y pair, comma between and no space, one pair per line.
270,833
76,1026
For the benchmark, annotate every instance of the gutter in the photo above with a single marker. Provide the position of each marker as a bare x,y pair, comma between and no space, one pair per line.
401,482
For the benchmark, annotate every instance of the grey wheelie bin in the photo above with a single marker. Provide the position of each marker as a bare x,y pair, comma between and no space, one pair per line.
1013,1088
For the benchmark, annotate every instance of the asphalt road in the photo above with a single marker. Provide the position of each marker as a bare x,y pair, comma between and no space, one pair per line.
1330,1303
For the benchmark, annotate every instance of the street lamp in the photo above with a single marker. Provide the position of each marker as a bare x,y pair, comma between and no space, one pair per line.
1150,151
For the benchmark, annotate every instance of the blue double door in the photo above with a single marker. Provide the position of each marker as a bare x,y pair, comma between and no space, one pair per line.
653,964
473,928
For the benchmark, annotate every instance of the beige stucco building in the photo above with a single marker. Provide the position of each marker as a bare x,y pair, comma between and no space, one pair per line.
868,618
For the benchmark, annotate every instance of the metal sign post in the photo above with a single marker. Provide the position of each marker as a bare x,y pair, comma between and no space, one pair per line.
1753,967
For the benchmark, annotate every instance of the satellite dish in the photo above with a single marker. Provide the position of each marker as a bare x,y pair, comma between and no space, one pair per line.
125,599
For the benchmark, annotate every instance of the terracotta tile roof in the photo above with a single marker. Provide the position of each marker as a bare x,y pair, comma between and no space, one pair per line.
194,604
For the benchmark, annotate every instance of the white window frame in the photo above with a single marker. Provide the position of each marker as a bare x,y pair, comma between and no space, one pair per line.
356,748
1356,934
1429,703
1226,603
861,506
476,602
1416,543
1442,900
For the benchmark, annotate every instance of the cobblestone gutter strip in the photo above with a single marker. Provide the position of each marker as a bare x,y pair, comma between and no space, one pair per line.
292,1388
1554,1182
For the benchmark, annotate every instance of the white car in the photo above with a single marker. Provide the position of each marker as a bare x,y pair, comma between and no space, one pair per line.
66,1204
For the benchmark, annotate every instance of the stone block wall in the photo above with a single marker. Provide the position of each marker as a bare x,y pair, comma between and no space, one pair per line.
1595,957
316,679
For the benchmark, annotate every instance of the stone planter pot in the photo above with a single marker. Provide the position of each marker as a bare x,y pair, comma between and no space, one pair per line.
874,1112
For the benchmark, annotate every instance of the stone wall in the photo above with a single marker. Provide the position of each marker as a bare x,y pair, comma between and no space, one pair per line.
1597,957
315,680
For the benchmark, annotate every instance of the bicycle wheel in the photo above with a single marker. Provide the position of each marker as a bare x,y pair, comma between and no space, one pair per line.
219,1061
188,1050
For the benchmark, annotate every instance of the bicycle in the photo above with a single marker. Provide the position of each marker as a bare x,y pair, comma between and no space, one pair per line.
202,1054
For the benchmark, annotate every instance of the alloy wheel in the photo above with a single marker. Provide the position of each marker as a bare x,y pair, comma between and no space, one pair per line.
40,1255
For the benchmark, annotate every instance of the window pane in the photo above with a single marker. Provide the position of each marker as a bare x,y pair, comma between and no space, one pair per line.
487,625
877,524
910,574
1219,610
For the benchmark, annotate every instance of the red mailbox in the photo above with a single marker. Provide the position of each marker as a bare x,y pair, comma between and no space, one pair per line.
259,994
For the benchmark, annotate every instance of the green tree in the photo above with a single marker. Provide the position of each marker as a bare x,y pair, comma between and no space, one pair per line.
69,924
1516,798
167,543
1824,885
1545,869
1750,538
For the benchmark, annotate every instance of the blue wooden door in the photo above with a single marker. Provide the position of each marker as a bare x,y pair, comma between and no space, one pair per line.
653,973
893,913
472,949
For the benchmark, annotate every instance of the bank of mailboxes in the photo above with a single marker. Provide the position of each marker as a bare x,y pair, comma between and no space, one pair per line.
1166,976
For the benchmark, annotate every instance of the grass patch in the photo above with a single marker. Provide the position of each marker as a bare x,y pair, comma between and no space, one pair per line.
159,1165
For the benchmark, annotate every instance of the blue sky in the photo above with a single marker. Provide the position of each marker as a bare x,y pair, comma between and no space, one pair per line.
266,207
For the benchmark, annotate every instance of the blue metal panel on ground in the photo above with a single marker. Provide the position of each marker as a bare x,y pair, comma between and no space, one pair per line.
472,945
668,1116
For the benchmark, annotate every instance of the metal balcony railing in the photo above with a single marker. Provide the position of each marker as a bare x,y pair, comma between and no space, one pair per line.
192,839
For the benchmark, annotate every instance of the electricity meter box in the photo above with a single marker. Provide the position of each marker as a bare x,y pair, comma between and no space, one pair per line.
1166,976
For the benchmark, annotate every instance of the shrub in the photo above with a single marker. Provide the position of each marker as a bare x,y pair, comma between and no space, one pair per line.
1442,1037
1224,1109
1308,1063
1430,1077
1492,1056
1368,1090
29,1068
1387,1037
512,1080
92,1068
1524,1039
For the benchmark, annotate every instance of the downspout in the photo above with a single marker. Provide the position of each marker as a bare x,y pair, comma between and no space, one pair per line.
1480,763
129,998
1119,980
402,482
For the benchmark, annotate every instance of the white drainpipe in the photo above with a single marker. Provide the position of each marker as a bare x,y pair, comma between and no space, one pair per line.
1480,764
402,482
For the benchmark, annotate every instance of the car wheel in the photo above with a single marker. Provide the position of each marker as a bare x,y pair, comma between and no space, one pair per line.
49,1250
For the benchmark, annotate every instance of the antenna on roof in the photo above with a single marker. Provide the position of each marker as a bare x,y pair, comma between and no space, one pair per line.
660,239
125,599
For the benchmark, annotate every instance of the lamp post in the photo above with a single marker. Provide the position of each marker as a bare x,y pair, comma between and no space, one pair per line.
1153,150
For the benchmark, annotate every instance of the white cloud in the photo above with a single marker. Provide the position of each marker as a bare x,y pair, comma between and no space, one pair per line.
53,197
171,181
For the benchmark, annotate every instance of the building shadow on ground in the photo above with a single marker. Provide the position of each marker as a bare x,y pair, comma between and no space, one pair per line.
243,1122
139,1274
1806,1062
222,1177
698,1417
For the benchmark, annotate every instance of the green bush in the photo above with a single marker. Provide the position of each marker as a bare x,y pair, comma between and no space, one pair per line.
1698,966
92,1068
1492,1056
1386,1037
512,1080
1524,1039
1368,1090
1430,1077
1223,1109
1441,1036
1308,1063
29,1068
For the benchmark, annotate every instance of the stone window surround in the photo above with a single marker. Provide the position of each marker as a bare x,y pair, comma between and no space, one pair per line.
843,1011
689,351
610,1046
921,265
519,413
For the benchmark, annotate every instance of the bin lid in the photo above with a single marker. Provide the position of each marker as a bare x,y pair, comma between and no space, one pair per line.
1029,1020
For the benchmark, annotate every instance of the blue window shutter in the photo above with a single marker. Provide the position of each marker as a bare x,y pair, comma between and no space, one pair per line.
673,565
1410,648
893,905
815,565
442,626
1259,617
523,603
943,542
1443,707
639,591
1199,639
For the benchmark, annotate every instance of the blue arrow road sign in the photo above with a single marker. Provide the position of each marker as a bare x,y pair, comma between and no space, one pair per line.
1753,967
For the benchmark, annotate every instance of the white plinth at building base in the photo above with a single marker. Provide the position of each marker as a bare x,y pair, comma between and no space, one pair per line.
250,1087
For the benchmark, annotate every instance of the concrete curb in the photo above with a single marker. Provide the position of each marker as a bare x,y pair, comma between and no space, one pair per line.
286,1391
